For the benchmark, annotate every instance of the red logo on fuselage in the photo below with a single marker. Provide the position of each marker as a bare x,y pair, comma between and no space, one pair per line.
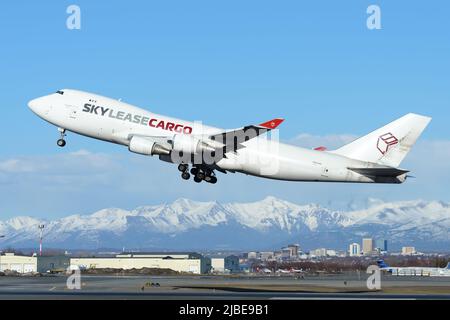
170,126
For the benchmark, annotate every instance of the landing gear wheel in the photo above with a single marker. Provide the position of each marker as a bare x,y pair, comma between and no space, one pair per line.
182,167
185,175
208,178
213,180
197,179
61,143
194,171
200,175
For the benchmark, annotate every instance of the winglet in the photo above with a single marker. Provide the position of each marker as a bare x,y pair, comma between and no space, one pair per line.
272,124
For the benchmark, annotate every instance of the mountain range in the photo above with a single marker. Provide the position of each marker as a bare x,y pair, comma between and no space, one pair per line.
263,225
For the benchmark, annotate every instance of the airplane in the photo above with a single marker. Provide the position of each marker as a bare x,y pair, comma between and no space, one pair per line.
290,270
283,271
251,149
266,270
415,271
263,270
297,270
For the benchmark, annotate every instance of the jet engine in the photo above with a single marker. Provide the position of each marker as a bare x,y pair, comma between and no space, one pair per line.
189,144
148,146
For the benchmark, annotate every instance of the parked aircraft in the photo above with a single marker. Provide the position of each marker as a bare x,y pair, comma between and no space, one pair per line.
415,271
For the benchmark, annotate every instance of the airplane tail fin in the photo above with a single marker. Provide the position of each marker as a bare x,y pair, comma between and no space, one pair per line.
388,145
382,264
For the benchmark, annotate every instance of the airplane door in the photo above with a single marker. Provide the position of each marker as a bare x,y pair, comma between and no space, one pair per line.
323,170
72,110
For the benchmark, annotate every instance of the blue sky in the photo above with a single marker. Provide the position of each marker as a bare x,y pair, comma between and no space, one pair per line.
227,63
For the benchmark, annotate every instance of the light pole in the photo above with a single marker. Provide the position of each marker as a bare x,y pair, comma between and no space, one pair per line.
41,230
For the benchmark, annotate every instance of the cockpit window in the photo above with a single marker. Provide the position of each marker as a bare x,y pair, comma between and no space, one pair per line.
60,92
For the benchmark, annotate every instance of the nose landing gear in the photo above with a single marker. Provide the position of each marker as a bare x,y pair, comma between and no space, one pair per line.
61,142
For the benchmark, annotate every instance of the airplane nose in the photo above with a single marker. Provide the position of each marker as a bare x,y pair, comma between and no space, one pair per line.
39,105
32,104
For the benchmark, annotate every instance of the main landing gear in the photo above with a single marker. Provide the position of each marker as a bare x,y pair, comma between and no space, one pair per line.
61,142
200,174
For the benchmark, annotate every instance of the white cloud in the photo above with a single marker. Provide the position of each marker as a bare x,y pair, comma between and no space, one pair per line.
15,166
81,161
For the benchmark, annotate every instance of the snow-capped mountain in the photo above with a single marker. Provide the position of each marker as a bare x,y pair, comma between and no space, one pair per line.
267,224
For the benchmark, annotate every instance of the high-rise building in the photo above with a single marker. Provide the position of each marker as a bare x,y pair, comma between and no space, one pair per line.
408,251
367,246
266,255
251,255
354,250
381,245
294,248
285,254
321,252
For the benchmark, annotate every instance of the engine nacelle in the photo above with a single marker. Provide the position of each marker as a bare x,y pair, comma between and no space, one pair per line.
148,146
189,144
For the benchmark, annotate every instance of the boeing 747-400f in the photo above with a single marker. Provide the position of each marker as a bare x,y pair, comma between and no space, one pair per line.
374,158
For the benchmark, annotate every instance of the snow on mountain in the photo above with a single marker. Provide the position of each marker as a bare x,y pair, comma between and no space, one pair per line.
265,224
272,212
415,212
19,223
182,214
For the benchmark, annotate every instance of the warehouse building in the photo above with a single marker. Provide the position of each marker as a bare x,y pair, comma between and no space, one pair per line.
58,263
34,263
225,264
189,262
21,264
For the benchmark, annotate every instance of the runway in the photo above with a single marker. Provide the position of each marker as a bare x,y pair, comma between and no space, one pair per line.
341,287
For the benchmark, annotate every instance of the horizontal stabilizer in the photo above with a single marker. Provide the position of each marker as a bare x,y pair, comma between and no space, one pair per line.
379,172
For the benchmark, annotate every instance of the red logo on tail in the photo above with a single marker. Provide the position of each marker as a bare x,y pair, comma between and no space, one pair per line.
385,142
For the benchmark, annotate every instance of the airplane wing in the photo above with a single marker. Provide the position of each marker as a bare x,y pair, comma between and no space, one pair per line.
232,140
218,143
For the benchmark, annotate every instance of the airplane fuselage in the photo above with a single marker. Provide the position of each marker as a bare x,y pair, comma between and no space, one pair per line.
418,271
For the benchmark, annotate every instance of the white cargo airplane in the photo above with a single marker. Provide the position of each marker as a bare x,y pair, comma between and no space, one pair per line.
415,271
374,158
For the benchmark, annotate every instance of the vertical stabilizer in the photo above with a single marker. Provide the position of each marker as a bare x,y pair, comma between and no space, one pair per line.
388,145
